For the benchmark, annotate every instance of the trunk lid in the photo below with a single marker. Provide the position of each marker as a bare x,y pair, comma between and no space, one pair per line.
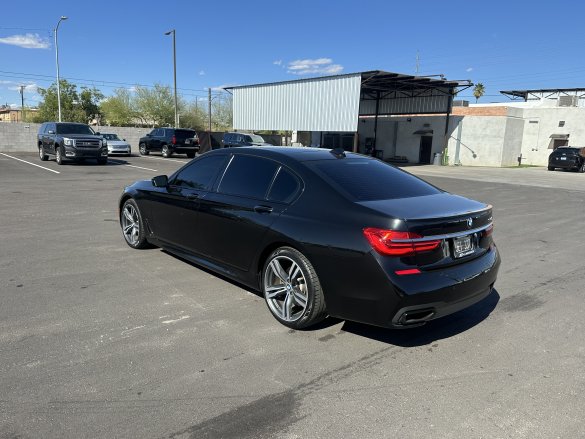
457,222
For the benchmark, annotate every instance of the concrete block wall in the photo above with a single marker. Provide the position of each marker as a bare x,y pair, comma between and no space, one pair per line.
22,137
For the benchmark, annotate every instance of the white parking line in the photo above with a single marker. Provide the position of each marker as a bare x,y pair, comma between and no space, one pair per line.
140,167
166,160
34,164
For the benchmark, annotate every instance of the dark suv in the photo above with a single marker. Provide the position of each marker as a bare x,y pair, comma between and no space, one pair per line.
243,139
71,141
567,158
169,141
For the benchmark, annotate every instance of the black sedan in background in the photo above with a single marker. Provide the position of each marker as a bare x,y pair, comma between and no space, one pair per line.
320,233
567,158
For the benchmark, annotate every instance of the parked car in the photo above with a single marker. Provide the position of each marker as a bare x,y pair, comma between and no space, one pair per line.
567,158
116,145
242,139
170,141
386,248
71,141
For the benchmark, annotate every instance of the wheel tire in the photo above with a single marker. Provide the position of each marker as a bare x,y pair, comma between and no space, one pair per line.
142,149
166,151
190,155
582,168
132,224
551,168
44,157
102,161
59,156
285,296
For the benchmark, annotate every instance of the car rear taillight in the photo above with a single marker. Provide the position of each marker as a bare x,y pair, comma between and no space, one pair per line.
489,230
397,243
174,140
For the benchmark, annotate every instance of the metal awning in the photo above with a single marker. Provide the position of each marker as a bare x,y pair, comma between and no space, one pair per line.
560,136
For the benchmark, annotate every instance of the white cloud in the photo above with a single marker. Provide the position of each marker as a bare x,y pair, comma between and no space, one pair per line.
132,89
469,69
202,73
27,41
314,66
278,62
28,88
2,81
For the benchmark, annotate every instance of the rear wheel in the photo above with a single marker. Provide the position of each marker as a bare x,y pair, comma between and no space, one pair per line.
102,161
582,168
142,149
133,225
292,289
59,155
42,154
551,168
166,151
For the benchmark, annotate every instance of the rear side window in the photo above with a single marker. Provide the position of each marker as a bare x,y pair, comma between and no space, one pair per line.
248,176
285,187
200,174
369,179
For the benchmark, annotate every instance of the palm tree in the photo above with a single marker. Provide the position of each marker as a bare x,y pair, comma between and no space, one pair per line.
478,91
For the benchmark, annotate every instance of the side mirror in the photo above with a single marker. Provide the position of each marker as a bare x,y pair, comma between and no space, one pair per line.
160,181
148,135
97,134
124,140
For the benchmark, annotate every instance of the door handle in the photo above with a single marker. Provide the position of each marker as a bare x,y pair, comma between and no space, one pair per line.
262,209
192,197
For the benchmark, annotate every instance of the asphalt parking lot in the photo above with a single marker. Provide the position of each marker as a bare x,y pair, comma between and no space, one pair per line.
99,340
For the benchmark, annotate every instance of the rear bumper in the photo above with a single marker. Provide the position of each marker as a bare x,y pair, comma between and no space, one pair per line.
569,164
185,149
374,296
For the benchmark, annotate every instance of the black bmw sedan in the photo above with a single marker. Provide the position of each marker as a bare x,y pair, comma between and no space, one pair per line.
320,233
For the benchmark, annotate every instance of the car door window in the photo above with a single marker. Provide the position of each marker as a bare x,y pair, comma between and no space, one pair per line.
248,176
285,187
200,174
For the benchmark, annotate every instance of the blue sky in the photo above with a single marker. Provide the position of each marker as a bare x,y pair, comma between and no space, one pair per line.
503,44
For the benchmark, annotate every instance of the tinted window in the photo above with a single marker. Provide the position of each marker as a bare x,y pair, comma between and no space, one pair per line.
248,176
43,128
247,139
284,188
567,151
200,174
365,180
184,134
71,128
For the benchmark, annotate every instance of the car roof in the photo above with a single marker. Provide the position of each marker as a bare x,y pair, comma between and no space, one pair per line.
297,153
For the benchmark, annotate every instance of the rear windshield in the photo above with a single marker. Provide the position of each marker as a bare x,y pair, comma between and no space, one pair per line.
184,133
568,151
369,179
72,128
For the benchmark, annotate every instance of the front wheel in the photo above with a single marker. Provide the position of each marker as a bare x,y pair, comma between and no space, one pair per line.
59,155
166,151
142,149
292,289
133,225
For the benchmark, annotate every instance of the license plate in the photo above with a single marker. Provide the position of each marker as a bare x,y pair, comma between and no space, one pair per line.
463,246
187,142
563,158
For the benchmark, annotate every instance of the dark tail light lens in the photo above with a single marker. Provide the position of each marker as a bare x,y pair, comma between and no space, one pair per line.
385,242
489,230
174,140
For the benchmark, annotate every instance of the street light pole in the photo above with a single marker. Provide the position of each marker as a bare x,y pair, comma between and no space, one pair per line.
174,75
57,59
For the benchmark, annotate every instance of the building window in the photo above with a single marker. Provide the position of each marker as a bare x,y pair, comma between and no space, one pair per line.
561,123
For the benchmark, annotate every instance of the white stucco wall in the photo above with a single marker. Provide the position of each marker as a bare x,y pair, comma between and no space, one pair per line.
482,140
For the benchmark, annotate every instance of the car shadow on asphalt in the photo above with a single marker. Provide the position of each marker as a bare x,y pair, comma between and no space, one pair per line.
439,329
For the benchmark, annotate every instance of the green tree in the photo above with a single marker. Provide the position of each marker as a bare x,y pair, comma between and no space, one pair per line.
119,109
194,116
222,115
156,106
75,107
478,91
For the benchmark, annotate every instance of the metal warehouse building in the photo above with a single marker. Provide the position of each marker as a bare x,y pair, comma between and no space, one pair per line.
373,112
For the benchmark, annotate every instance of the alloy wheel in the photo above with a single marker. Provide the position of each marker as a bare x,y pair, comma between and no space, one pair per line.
131,224
285,288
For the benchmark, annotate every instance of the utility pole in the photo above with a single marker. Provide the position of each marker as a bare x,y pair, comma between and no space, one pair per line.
57,62
22,103
209,107
175,75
